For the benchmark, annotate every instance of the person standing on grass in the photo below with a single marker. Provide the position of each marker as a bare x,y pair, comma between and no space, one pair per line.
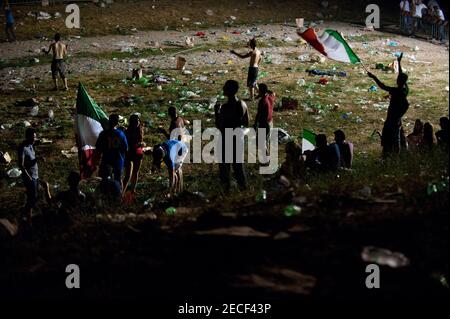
231,115
9,29
264,119
255,58
27,162
133,157
112,145
59,52
398,106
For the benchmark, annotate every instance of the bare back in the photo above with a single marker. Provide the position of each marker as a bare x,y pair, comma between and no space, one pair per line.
59,50
255,58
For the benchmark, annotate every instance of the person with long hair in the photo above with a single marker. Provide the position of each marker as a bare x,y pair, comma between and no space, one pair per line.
135,154
415,139
428,136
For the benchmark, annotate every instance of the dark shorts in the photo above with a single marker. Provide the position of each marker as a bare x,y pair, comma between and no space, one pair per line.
252,77
58,66
115,171
32,192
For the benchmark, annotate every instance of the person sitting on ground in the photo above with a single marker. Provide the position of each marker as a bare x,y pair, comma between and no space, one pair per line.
398,106
442,135
133,157
27,163
59,51
428,142
177,126
345,149
70,200
112,145
231,115
109,187
324,157
415,139
264,119
292,166
255,58
172,153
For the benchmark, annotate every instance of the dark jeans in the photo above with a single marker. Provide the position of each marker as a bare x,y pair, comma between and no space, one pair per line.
239,174
32,192
10,32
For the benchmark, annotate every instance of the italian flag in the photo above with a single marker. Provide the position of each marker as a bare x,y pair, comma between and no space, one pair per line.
90,120
308,141
331,44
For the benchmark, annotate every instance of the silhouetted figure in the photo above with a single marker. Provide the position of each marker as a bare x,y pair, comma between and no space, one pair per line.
112,145
392,129
415,139
428,137
231,115
324,157
70,200
293,166
9,28
345,149
442,135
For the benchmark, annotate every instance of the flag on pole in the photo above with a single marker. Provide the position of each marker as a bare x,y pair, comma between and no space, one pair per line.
90,120
308,141
331,44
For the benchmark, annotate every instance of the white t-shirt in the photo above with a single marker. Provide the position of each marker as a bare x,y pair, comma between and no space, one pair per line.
441,15
406,5
419,9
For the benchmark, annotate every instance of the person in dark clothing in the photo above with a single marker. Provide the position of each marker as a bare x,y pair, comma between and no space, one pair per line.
415,139
231,115
263,118
112,145
9,29
398,106
442,135
71,200
428,142
27,162
345,149
133,157
324,157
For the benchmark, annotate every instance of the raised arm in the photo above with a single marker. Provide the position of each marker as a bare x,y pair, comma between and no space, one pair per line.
399,59
378,82
242,56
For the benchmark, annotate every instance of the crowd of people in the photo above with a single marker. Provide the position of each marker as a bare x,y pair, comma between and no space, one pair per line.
415,14
121,150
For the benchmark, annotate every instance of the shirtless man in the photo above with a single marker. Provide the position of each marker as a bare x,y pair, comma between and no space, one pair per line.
255,59
59,51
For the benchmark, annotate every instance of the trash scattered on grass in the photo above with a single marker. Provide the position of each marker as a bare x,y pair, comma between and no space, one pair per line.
171,211
438,186
384,257
292,210
237,231
373,88
329,73
70,153
5,158
14,172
